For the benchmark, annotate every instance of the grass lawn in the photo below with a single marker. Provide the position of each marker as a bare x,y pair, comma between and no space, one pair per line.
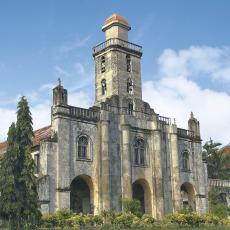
162,228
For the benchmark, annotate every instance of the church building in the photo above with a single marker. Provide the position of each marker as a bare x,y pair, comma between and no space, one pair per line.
89,159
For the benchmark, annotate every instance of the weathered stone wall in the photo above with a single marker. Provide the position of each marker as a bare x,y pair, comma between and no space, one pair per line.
197,173
116,74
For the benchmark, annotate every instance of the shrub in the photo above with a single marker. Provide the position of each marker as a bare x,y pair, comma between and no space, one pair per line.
133,206
148,219
211,219
124,220
219,210
190,219
225,222
97,220
49,220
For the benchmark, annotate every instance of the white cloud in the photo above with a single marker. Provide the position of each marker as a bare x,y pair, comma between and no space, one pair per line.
41,114
196,62
7,116
80,99
176,94
41,111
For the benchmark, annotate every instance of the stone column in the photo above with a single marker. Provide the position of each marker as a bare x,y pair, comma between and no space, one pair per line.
126,164
175,176
158,174
105,178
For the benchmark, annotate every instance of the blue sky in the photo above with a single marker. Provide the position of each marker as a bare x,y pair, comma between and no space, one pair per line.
186,60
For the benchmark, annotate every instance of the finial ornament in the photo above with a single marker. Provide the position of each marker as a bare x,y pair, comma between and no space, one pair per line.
59,82
191,115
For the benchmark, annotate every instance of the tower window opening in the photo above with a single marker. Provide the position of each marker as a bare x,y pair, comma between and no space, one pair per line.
130,86
103,64
139,152
103,87
130,109
128,63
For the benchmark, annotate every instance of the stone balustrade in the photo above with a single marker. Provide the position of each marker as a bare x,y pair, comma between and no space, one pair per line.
165,120
219,183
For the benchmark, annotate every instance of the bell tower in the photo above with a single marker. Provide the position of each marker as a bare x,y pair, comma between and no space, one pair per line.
117,62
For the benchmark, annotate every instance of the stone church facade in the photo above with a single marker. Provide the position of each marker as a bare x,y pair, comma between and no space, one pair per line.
89,159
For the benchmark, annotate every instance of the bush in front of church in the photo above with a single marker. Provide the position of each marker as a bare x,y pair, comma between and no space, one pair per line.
126,220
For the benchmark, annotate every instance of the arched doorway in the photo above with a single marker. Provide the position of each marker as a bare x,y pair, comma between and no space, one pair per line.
81,194
141,192
188,196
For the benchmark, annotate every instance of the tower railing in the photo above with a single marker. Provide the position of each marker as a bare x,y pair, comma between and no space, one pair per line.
117,42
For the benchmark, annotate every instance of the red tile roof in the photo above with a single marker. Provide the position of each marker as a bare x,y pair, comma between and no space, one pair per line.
39,134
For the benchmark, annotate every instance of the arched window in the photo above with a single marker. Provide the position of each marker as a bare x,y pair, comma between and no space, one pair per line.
128,63
139,152
130,86
130,108
82,147
185,160
103,64
103,87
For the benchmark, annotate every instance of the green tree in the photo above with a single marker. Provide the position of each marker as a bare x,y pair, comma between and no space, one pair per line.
25,210
8,198
216,160
216,205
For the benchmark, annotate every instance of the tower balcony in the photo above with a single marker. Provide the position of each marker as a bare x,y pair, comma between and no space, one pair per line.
117,43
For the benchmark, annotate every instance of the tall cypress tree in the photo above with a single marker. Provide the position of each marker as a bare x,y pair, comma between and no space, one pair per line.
28,203
8,198
19,198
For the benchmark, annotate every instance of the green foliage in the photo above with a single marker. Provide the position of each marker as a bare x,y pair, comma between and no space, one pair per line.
19,203
126,220
210,219
132,206
216,207
219,210
190,219
8,196
216,161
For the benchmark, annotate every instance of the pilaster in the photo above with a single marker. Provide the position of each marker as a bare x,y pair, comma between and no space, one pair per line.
126,163
175,176
158,174
105,178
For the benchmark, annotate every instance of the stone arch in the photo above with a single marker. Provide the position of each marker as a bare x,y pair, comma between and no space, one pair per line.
82,194
188,195
222,198
141,191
